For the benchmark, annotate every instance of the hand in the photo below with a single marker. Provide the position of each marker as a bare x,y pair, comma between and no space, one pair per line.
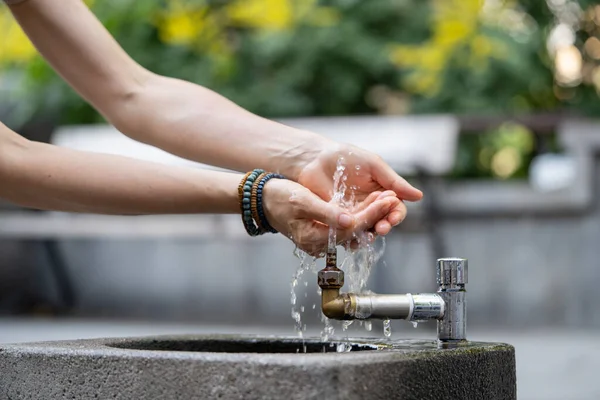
305,218
366,173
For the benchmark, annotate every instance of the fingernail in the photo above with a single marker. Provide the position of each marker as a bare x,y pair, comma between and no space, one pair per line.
345,220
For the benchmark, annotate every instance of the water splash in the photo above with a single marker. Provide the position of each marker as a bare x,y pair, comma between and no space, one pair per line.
339,192
357,263
327,331
307,263
346,325
343,347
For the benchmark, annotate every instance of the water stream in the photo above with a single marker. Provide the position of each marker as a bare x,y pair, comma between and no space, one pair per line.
357,263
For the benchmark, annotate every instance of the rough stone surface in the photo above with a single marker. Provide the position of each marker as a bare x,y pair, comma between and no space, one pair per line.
247,367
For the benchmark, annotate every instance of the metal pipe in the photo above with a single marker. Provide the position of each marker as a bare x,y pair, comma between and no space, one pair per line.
452,276
447,306
412,307
383,306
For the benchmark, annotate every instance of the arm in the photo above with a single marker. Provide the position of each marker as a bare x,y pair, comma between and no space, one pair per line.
43,176
47,177
189,120
180,117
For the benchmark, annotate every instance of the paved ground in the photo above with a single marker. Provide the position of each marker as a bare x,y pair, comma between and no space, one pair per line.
551,364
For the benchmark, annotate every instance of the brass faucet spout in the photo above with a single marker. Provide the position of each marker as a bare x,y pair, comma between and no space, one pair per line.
333,304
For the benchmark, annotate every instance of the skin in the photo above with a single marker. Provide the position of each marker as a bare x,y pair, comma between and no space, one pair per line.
43,176
199,124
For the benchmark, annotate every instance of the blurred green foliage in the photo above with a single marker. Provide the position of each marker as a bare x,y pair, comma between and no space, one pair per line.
282,58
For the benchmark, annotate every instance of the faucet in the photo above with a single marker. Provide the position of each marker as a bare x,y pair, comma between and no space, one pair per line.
448,306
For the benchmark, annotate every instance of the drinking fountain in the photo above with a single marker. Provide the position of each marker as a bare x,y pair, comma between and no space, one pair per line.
270,367
448,306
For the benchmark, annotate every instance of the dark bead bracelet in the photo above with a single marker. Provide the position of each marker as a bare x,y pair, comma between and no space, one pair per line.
245,200
264,224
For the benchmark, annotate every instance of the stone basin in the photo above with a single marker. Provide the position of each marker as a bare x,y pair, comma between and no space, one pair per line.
256,367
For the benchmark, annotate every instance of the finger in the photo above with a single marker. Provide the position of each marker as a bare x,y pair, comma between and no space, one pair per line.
310,206
389,179
385,194
383,227
397,215
374,213
369,200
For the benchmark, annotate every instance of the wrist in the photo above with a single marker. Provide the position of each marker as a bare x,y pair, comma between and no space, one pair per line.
292,161
275,196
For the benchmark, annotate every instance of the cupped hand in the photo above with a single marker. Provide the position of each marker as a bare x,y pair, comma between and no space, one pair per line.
365,173
304,217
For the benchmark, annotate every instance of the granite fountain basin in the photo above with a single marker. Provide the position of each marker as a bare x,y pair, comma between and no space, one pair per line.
255,367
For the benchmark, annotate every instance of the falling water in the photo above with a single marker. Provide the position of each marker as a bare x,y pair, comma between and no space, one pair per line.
306,263
357,263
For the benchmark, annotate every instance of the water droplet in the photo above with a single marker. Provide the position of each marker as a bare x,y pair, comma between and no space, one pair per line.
301,308
387,328
314,306
368,325
296,316
327,331
415,323
357,167
343,348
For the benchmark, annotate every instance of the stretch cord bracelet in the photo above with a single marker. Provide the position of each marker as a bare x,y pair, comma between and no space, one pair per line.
254,203
245,196
262,220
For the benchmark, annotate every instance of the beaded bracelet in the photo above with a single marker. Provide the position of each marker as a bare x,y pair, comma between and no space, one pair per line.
259,200
250,192
245,196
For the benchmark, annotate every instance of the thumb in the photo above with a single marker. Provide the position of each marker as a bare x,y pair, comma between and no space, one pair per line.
390,180
327,213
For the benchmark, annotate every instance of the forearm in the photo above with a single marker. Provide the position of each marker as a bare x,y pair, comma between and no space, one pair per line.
199,124
182,118
43,176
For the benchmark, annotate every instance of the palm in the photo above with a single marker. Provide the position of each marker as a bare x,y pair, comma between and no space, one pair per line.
359,183
360,179
365,174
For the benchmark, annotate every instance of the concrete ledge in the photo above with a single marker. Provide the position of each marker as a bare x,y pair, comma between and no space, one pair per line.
173,368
